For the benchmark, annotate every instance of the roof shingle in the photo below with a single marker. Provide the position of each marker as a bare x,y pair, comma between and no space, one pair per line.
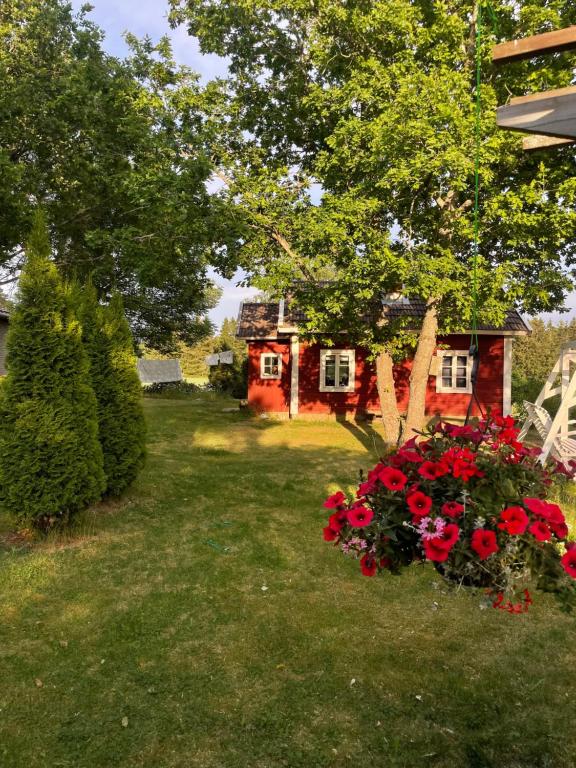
261,320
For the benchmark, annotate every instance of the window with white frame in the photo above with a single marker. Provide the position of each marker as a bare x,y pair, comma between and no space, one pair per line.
455,371
337,370
270,366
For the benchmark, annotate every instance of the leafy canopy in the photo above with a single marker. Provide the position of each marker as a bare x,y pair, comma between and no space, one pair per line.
345,135
113,150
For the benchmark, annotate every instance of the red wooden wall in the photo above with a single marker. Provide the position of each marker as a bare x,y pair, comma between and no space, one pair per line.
274,394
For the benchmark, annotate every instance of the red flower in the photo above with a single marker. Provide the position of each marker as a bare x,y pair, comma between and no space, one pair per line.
368,565
366,487
438,548
569,562
392,478
515,521
560,530
448,537
483,542
336,500
410,456
433,551
419,504
385,562
338,520
329,533
452,509
536,506
540,531
358,517
431,470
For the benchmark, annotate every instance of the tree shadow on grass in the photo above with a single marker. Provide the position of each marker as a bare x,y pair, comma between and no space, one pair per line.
364,432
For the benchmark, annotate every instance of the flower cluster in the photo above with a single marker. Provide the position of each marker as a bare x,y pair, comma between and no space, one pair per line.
470,499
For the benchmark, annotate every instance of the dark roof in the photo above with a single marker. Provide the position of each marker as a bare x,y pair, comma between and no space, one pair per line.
258,320
261,320
4,314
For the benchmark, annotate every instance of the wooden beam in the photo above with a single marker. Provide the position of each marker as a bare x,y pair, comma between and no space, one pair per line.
534,143
551,113
536,45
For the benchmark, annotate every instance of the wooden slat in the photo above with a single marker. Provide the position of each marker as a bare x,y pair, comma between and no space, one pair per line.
568,91
550,113
537,45
534,143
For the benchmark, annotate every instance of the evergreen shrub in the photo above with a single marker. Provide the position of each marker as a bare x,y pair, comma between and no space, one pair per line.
120,412
51,463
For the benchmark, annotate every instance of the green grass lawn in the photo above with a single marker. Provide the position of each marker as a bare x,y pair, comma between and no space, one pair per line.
203,623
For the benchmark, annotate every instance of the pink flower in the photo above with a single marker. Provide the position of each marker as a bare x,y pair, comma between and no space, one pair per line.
452,509
429,528
336,500
392,478
419,504
358,517
514,521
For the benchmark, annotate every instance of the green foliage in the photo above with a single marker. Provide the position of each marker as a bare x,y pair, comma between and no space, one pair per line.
230,379
120,414
535,355
372,104
50,457
172,389
114,149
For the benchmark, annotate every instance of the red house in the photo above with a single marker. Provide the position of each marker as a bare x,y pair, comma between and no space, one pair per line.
288,377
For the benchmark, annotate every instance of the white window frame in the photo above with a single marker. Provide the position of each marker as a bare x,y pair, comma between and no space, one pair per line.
324,353
263,374
467,390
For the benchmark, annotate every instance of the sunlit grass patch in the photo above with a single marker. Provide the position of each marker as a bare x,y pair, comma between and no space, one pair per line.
202,621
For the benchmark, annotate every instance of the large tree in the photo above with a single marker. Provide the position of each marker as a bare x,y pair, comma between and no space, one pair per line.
113,150
374,102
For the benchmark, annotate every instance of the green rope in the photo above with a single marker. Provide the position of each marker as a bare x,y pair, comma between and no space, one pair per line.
477,128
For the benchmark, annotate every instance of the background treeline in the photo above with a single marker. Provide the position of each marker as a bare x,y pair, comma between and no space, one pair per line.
71,421
534,357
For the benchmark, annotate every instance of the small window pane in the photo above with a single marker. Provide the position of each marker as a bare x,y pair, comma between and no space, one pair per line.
330,371
344,371
270,366
461,383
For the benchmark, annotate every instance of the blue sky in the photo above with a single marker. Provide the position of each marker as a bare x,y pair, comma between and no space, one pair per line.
149,17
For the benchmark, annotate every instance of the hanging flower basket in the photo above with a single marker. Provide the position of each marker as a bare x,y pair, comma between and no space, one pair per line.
473,501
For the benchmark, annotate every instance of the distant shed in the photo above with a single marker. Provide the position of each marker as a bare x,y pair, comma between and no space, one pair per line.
159,371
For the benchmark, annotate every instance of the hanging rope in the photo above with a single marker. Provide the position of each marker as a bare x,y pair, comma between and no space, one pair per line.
474,351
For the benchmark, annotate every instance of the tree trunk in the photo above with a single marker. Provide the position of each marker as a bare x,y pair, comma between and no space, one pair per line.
387,396
420,371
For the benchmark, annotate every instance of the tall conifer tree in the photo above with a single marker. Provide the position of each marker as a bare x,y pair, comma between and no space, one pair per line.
121,417
51,462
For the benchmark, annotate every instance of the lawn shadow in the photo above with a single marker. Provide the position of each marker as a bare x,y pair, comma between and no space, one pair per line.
364,432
